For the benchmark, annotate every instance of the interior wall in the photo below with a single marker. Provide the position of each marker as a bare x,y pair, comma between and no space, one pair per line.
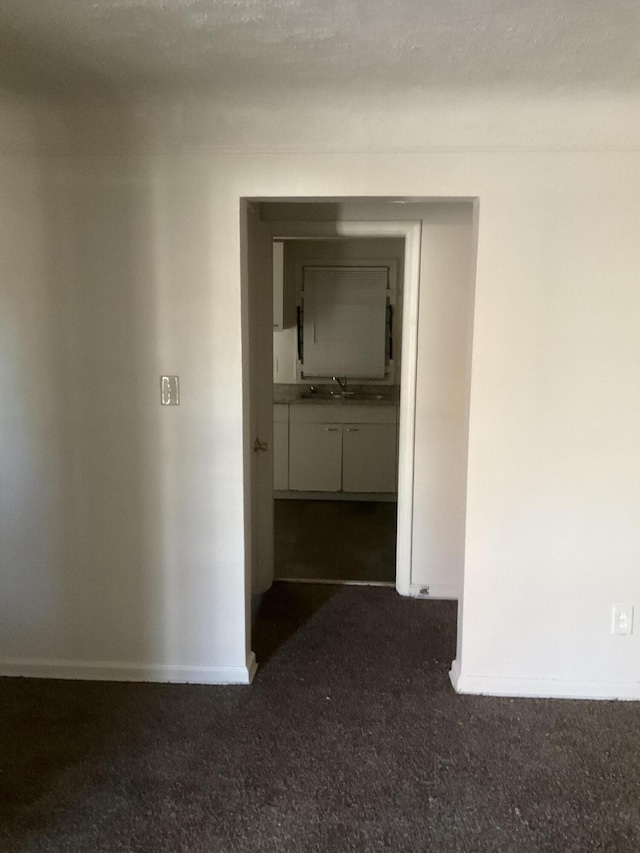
445,312
296,252
122,523
31,124
412,121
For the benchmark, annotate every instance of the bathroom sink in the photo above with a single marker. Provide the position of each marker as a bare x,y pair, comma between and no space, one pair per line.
324,396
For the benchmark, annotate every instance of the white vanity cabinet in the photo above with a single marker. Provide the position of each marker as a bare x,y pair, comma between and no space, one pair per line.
315,457
281,447
342,448
369,457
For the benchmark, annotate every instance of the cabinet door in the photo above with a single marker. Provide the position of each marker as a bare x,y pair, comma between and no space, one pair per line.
315,457
369,458
278,286
280,456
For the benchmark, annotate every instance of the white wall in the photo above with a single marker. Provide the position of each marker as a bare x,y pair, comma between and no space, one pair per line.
553,539
125,534
122,523
442,395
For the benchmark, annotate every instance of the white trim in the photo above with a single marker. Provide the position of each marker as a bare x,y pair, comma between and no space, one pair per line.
454,675
122,671
334,582
312,230
435,591
252,667
542,688
407,410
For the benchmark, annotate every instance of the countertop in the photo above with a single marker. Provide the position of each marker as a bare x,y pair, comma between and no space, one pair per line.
291,395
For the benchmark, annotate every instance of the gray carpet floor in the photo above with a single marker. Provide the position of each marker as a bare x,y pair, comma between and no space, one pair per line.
335,540
350,739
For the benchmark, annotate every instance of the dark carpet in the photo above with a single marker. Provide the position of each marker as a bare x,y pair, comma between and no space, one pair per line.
350,738
335,540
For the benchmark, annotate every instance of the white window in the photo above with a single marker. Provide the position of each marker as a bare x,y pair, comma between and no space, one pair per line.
344,321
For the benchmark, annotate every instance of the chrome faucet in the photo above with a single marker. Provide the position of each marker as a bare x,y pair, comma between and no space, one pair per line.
342,382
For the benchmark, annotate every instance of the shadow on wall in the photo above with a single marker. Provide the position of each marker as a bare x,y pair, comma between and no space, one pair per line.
82,492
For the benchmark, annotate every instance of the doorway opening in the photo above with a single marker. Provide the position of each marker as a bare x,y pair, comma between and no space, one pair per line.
337,335
302,454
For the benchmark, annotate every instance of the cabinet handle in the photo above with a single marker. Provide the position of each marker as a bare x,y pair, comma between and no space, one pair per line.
352,429
331,429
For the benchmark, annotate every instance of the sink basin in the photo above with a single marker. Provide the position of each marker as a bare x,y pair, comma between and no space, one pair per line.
325,396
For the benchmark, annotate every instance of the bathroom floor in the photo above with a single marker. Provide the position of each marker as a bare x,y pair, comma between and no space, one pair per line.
335,540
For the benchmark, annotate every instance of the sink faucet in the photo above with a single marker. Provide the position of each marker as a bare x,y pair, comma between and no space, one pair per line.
342,382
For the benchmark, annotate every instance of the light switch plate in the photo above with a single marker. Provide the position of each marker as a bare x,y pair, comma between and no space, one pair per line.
170,390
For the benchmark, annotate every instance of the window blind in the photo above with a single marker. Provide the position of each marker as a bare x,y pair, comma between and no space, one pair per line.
344,321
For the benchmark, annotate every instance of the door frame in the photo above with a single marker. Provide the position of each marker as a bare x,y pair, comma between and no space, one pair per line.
411,231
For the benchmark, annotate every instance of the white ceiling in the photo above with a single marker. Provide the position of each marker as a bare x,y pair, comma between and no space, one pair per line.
222,46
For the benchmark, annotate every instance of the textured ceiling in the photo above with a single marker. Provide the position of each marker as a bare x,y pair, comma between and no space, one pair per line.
223,46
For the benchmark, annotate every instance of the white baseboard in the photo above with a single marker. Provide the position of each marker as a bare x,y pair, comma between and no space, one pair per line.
542,688
454,675
252,667
118,671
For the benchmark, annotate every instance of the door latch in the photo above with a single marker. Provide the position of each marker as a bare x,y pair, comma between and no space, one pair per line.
259,445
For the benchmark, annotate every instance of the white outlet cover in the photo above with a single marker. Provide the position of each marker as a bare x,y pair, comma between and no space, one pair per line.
622,619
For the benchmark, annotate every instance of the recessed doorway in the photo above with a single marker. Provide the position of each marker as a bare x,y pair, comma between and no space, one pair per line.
432,415
337,371
260,232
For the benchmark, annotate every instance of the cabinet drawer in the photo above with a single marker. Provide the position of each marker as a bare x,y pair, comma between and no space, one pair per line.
341,413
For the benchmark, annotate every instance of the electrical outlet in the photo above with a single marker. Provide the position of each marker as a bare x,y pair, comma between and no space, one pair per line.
622,622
